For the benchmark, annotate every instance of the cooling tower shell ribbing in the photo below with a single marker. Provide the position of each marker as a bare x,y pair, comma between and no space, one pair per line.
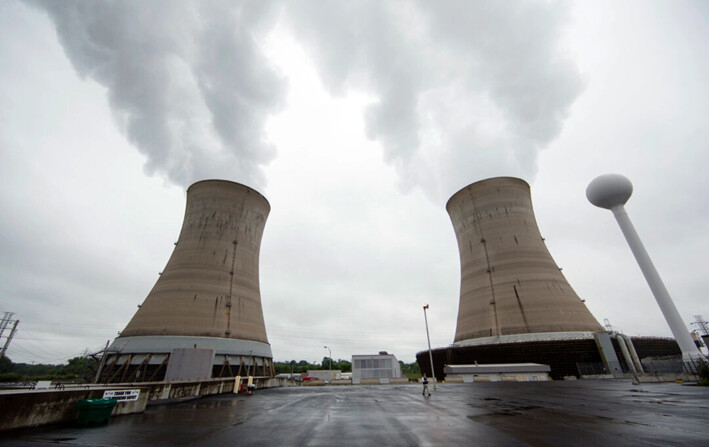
509,282
210,286
208,294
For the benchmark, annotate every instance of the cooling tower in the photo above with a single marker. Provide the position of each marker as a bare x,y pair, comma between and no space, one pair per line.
515,305
510,284
208,294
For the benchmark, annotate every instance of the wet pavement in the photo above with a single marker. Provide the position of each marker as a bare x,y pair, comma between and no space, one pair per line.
579,413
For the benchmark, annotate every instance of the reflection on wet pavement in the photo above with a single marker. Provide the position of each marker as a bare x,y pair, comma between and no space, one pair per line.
612,412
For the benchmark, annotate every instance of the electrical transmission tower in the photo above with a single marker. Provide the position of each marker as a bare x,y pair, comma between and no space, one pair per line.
4,323
702,325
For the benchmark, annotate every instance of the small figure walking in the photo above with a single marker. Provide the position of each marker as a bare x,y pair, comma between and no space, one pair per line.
424,379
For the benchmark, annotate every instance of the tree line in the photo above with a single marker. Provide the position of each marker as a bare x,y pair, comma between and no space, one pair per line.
83,369
410,370
79,369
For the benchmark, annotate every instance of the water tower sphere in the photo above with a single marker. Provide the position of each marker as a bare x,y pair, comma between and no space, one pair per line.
609,190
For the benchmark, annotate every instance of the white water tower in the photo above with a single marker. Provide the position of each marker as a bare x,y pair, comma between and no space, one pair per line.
612,191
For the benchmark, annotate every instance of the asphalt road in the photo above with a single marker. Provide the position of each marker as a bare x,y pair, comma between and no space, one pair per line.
574,413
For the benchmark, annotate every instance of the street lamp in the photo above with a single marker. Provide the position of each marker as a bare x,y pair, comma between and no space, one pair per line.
330,358
428,337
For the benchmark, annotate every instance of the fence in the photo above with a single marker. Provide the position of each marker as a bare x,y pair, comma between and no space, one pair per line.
590,369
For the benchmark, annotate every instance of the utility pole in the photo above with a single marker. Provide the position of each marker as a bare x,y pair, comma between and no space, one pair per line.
329,371
103,362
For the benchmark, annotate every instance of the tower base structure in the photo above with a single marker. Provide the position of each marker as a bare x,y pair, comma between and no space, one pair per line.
146,358
576,354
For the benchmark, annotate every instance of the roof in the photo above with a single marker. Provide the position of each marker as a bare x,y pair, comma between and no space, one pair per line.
373,356
496,368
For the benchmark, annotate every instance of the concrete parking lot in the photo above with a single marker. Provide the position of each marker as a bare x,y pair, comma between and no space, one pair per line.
579,413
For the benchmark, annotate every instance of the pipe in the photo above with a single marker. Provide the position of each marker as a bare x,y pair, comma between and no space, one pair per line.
633,354
626,354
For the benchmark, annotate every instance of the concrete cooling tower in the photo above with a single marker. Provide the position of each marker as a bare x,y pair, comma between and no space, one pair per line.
509,282
207,298
515,304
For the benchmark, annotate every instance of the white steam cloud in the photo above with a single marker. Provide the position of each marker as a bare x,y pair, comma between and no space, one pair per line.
465,90
187,81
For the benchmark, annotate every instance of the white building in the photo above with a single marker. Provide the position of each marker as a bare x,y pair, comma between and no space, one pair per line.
512,372
378,368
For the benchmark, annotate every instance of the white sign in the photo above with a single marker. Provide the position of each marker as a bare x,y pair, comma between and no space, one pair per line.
121,395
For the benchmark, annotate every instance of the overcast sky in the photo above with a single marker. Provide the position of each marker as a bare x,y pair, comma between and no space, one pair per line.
357,121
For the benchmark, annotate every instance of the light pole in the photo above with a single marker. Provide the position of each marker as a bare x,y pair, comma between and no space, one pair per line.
428,337
330,358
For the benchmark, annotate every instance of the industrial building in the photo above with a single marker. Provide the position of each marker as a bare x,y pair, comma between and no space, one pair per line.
207,297
379,368
515,304
518,372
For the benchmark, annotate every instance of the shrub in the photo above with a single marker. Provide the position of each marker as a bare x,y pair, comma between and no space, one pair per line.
10,377
703,372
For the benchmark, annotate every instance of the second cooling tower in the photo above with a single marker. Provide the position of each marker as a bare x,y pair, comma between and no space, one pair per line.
515,305
207,296
509,282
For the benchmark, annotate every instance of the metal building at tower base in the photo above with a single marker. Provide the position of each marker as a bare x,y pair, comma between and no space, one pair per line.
566,358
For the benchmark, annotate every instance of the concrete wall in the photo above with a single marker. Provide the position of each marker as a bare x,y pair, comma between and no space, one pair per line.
31,408
325,374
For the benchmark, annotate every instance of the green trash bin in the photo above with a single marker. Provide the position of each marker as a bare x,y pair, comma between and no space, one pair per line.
94,411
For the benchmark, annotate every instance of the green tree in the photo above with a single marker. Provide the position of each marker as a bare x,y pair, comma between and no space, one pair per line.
410,370
5,365
291,365
83,368
344,365
41,370
703,372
